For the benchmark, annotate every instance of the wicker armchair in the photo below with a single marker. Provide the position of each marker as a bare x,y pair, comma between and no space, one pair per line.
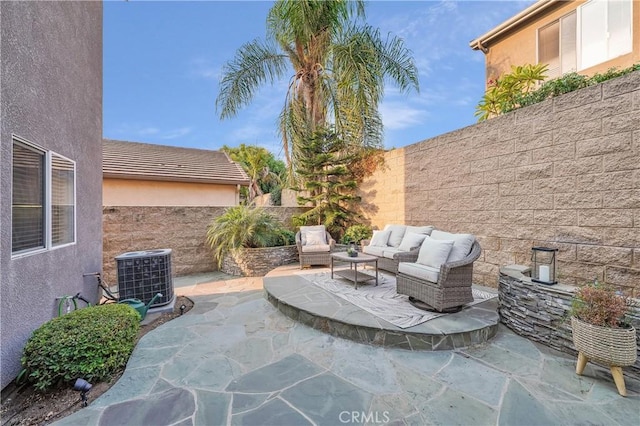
452,290
309,258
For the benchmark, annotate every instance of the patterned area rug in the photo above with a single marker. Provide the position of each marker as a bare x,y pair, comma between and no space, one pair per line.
383,301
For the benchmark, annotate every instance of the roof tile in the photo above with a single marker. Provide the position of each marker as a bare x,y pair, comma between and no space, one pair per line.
143,161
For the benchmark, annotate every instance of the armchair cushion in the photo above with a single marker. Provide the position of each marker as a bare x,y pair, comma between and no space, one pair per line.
434,252
461,244
397,232
380,238
315,238
304,230
420,271
316,248
411,240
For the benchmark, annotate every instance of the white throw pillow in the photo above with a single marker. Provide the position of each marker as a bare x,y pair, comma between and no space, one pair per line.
305,229
461,246
315,238
410,241
397,232
380,238
434,252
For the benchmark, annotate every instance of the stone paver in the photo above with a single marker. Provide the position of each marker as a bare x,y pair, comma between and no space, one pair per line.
236,359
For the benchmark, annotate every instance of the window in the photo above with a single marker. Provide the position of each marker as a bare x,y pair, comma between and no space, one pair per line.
43,199
557,46
609,31
600,30
28,216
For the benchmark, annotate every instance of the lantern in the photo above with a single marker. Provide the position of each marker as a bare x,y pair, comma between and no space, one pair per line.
544,265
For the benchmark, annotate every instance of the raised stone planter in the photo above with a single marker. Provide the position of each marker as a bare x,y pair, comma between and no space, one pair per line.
541,313
257,262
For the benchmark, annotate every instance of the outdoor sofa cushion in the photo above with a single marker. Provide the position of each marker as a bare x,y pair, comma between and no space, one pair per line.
461,244
411,240
417,270
397,232
434,252
380,238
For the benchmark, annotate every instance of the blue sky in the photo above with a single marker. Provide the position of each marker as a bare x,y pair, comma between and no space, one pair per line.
163,61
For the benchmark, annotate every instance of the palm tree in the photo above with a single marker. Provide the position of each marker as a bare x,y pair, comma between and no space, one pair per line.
257,163
338,66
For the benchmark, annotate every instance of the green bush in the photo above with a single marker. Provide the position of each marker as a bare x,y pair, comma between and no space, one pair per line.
356,233
91,343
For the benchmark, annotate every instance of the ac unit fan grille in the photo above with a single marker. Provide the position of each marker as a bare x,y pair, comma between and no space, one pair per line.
143,274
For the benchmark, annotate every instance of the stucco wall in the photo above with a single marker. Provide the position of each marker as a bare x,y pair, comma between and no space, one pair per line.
519,47
182,229
126,192
51,84
564,173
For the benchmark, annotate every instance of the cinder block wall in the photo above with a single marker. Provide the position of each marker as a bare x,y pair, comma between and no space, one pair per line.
182,229
564,173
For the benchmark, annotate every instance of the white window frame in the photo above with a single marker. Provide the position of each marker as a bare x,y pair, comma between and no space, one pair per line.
579,55
47,207
579,58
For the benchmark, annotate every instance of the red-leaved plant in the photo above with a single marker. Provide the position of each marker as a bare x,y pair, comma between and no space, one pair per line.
599,304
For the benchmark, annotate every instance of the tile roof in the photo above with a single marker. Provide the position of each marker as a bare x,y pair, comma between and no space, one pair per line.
143,161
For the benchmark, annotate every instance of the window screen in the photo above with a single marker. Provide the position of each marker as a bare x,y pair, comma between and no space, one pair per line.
28,188
62,200
549,48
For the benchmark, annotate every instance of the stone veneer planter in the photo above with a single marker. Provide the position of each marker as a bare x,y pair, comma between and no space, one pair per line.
541,313
257,262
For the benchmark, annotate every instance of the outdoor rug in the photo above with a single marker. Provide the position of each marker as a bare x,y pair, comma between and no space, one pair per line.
383,301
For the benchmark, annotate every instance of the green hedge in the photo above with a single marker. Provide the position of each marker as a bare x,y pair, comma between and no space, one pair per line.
91,343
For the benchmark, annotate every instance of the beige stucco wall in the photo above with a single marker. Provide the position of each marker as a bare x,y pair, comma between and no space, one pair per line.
520,47
564,173
124,192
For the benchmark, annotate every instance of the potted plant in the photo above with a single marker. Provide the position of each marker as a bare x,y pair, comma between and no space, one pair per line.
355,234
600,332
248,241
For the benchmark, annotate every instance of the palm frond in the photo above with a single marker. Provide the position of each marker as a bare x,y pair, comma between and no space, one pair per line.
254,64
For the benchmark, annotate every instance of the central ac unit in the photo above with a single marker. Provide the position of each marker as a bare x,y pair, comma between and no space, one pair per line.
143,274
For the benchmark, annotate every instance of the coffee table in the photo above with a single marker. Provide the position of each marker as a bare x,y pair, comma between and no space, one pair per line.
352,273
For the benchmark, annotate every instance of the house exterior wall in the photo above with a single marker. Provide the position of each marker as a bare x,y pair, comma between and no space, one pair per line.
129,192
563,173
181,228
51,94
519,47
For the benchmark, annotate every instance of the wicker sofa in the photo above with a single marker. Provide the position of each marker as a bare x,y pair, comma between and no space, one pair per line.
401,245
446,288
314,252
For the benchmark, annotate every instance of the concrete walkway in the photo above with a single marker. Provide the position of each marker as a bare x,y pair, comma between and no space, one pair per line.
234,359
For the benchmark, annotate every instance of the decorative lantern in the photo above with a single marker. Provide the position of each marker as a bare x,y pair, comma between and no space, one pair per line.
544,265
352,250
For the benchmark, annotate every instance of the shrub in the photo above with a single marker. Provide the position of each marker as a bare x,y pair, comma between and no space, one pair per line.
515,90
356,233
91,343
248,227
599,304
